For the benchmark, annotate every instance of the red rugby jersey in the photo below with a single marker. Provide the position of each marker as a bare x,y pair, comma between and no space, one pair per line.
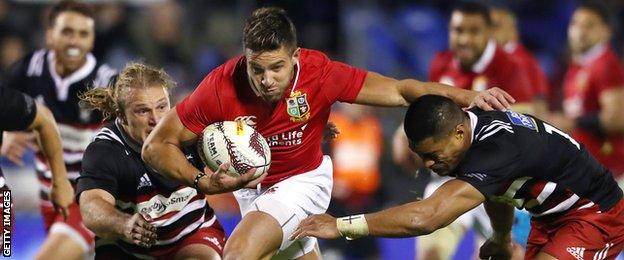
494,68
293,127
598,70
537,79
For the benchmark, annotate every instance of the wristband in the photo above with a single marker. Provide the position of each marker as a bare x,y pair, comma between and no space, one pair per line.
197,178
352,227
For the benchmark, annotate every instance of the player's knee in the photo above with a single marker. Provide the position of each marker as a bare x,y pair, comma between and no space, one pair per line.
243,248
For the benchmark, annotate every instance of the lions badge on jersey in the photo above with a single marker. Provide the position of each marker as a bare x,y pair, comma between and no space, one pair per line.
297,107
522,120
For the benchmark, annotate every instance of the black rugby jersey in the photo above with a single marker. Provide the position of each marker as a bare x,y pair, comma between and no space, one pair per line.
17,112
528,163
35,75
112,162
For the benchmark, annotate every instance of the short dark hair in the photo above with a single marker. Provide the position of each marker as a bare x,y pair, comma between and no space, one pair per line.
474,9
598,9
269,29
69,6
431,116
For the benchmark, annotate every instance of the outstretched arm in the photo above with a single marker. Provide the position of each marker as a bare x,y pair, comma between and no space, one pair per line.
62,193
379,90
448,202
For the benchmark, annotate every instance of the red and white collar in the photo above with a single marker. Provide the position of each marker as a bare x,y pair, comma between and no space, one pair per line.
486,58
592,54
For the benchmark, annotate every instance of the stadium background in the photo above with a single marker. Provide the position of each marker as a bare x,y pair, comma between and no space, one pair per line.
188,38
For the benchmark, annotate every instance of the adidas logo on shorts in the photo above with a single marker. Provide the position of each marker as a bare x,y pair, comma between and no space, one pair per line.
577,252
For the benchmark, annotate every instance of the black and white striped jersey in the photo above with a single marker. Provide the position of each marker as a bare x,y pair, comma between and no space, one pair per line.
112,162
35,75
530,164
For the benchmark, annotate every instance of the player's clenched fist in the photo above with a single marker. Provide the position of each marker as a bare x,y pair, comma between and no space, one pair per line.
320,226
138,231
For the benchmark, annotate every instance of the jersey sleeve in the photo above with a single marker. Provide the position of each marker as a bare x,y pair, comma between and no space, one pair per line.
342,82
609,75
17,110
489,166
101,169
197,110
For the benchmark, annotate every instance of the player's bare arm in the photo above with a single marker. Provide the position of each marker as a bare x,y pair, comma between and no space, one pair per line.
99,214
61,193
384,91
162,151
610,119
499,246
611,116
447,203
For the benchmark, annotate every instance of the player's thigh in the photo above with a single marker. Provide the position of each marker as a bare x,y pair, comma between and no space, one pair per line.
257,235
197,251
544,256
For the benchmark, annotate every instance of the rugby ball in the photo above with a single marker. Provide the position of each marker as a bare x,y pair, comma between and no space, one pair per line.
237,143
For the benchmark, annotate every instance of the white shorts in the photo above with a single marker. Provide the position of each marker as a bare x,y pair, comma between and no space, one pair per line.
289,202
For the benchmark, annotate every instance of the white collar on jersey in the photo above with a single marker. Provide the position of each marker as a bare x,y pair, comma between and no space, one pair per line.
62,84
257,90
486,58
473,124
510,46
592,54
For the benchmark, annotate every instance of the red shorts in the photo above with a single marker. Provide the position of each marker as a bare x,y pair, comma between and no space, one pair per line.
212,236
579,234
71,227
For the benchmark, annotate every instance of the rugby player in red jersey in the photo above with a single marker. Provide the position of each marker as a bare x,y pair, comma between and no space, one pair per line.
594,89
286,93
505,32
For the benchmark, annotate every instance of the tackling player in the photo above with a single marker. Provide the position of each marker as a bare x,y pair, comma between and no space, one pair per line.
503,160
134,211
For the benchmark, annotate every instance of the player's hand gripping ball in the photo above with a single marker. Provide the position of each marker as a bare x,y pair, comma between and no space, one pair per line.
237,143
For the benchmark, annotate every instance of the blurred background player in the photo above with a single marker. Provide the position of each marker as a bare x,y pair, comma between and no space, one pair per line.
476,62
20,112
593,89
55,76
356,154
505,32
118,193
287,93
